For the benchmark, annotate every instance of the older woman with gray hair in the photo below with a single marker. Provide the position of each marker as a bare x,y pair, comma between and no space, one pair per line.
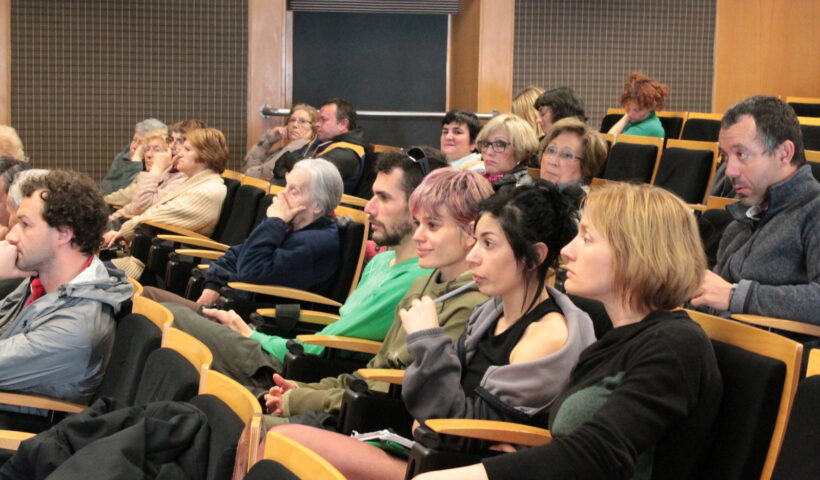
297,245
128,163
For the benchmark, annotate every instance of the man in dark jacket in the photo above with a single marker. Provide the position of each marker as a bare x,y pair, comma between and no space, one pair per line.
338,140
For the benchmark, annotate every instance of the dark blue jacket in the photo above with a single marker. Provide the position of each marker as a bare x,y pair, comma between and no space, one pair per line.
273,254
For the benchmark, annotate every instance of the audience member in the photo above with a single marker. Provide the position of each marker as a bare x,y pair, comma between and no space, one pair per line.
296,246
10,144
195,204
177,134
11,165
444,207
13,178
518,349
57,327
506,143
768,262
159,179
642,399
640,98
298,131
128,163
523,105
338,140
571,154
459,129
251,357
557,104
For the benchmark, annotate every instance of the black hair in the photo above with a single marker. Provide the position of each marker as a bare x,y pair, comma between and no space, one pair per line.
413,176
463,117
344,110
9,168
530,214
563,102
775,121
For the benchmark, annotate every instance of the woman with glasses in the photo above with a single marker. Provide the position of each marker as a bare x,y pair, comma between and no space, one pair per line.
571,154
298,131
506,144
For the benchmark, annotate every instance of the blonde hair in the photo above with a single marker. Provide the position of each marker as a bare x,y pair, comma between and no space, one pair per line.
522,137
657,255
10,144
523,106
594,145
160,134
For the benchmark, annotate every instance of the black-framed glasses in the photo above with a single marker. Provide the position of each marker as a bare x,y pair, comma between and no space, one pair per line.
552,150
499,146
417,156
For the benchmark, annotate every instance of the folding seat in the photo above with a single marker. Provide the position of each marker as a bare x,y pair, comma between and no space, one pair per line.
810,128
702,127
805,106
686,169
672,123
633,159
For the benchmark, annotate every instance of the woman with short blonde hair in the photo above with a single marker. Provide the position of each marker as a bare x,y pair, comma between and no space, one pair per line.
299,130
507,142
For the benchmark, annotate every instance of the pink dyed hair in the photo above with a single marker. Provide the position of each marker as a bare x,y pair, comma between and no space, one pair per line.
458,192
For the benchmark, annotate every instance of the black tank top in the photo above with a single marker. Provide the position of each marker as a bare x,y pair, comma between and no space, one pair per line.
495,349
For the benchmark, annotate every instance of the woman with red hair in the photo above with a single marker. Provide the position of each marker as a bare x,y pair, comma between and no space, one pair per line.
641,97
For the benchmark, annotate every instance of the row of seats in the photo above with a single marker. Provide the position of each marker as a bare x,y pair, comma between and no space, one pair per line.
705,127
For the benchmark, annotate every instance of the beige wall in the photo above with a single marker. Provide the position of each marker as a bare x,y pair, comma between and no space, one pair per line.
766,47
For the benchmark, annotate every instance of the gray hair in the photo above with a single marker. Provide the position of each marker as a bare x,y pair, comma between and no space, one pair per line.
9,168
16,190
149,124
10,143
325,182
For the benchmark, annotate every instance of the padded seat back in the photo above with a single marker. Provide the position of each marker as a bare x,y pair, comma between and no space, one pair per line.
136,338
752,387
701,130
685,173
240,220
262,209
365,187
226,428
631,162
232,187
672,126
811,136
800,454
806,109
350,237
609,120
167,376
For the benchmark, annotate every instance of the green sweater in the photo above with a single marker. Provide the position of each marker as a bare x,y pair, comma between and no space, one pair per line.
452,313
368,311
648,127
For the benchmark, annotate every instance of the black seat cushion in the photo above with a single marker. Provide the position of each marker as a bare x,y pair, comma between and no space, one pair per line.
800,454
350,237
609,120
269,470
232,186
672,126
811,136
167,376
752,386
685,173
806,109
241,219
226,429
701,130
631,162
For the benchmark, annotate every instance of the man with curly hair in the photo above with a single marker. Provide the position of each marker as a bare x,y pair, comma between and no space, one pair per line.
57,326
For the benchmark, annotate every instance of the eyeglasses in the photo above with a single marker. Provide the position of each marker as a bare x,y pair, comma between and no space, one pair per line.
416,155
498,146
563,155
300,121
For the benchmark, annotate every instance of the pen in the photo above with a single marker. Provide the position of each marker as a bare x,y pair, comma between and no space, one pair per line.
455,292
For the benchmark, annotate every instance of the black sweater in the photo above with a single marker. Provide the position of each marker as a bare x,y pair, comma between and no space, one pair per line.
640,404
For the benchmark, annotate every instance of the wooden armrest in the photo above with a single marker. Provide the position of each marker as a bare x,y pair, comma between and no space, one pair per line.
355,201
502,432
11,439
779,323
285,292
197,242
343,343
203,266
38,401
389,375
174,228
697,207
193,252
307,316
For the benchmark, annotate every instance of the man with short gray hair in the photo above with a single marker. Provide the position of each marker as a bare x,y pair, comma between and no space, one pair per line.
296,246
128,163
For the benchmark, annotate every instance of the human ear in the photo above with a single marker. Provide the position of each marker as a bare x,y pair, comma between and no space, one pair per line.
541,251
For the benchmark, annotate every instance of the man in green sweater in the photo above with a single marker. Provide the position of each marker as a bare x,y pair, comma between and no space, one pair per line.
249,356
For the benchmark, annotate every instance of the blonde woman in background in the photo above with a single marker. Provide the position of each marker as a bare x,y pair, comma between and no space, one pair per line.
523,105
298,131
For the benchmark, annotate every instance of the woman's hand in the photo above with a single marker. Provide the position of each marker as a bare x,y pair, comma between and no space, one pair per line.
421,315
162,162
281,208
230,319
111,238
208,297
275,396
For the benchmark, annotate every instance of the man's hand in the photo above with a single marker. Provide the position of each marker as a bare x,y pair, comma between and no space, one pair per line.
111,238
714,292
4,230
280,208
8,262
230,319
421,315
137,156
275,396
208,297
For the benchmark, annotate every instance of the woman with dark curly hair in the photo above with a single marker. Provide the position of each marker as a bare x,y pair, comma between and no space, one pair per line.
641,97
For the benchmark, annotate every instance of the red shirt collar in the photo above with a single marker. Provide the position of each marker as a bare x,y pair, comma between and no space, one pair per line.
37,289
